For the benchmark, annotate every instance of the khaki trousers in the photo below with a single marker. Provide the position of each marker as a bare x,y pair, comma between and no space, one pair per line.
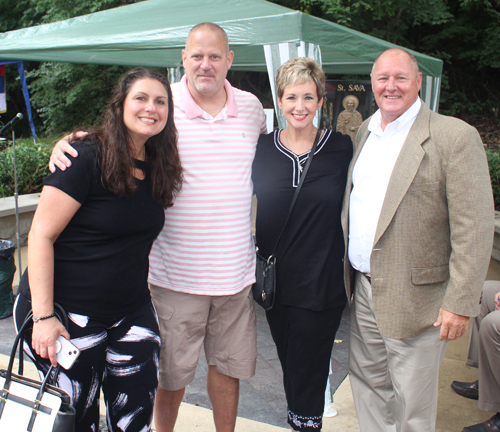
484,349
394,381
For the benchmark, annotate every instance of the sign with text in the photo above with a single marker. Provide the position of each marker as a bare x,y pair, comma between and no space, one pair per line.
347,104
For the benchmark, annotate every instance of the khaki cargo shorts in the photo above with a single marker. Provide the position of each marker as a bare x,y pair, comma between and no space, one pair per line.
225,325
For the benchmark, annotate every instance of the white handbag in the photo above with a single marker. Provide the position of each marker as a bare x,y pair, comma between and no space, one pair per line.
27,405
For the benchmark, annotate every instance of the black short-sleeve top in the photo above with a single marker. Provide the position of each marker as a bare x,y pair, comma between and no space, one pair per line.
310,253
101,257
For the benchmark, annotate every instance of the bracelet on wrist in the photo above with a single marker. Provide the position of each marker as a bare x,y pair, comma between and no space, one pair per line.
36,319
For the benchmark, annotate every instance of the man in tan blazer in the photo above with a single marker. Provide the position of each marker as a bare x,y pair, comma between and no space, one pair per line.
418,220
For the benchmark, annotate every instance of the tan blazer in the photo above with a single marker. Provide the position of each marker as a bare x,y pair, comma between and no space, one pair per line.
434,236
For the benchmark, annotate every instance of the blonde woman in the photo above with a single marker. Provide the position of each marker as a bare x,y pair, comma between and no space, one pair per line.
310,295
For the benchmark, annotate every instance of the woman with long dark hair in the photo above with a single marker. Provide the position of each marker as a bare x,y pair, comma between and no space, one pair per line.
88,252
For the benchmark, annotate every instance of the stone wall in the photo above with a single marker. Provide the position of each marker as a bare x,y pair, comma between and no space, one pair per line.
28,203
27,206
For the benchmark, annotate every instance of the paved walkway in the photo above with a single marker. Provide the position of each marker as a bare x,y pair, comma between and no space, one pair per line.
262,404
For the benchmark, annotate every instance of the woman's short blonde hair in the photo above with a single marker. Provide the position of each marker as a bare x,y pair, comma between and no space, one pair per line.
298,71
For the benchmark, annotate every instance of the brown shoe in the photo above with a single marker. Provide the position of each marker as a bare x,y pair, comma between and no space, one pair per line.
466,389
491,425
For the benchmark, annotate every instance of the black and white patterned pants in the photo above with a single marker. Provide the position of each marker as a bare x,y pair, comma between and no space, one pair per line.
120,357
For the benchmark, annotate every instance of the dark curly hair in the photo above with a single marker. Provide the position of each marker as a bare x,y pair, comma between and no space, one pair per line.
115,155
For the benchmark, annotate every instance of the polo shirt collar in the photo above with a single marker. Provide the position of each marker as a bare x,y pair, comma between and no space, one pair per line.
193,110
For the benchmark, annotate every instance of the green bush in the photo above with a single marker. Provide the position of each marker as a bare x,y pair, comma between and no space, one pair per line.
494,164
32,166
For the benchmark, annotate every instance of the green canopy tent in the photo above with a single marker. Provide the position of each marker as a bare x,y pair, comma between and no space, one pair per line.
262,35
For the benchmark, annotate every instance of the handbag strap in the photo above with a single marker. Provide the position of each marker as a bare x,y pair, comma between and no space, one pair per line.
61,315
299,186
50,376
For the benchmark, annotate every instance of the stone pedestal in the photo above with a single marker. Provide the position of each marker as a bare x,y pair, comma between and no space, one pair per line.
27,206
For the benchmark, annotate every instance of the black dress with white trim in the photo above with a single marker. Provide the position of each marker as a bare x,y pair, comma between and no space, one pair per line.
310,295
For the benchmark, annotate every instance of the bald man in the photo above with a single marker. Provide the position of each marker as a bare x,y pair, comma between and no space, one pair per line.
202,264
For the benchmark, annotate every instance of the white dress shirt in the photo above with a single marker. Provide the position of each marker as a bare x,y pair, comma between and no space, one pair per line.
371,175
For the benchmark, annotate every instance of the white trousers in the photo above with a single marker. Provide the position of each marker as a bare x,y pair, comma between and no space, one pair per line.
394,381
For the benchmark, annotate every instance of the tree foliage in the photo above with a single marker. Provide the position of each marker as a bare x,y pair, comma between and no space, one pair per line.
68,95
63,95
387,19
469,45
464,33
494,166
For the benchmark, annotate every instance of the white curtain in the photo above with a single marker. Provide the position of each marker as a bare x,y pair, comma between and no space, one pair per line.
430,91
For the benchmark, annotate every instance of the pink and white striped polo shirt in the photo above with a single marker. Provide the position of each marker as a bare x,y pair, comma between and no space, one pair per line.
206,245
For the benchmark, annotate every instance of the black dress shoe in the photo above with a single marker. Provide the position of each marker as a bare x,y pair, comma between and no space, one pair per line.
466,389
491,425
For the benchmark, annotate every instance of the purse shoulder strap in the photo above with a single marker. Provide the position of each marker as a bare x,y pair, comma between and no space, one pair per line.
61,315
299,186
50,376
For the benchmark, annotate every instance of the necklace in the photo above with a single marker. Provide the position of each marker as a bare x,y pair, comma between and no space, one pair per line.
301,163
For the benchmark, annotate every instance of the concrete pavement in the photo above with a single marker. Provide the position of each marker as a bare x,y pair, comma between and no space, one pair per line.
262,403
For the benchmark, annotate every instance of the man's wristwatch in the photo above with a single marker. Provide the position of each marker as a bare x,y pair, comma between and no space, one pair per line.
36,319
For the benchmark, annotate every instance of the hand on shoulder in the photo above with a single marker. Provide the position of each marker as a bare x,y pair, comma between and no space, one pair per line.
58,157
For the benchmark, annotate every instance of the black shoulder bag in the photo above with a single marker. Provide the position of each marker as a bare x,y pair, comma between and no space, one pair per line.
264,289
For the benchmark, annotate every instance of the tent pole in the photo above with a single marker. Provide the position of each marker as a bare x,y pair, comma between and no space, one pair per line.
16,201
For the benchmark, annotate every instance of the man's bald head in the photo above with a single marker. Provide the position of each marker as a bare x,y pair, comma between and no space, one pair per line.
411,57
211,27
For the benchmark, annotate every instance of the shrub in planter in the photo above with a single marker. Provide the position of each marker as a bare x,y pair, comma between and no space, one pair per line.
32,166
494,165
